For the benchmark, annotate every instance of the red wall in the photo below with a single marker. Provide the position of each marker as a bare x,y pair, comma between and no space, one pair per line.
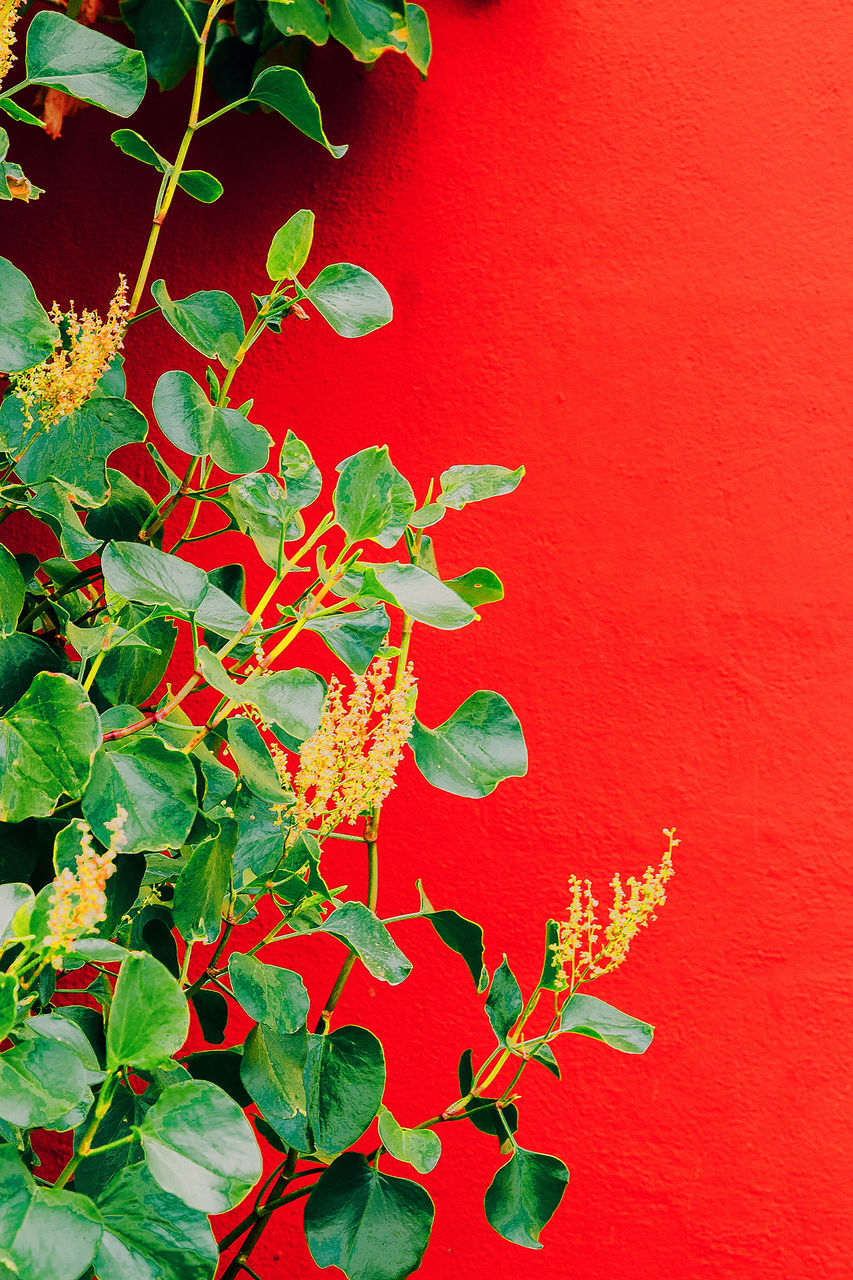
617,236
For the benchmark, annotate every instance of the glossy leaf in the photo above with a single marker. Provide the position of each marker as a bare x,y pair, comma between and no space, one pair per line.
135,146
350,299
41,1081
364,494
123,514
8,1003
300,18
198,1146
27,335
200,185
415,591
254,762
149,1017
419,43
345,1080
299,471
589,1016
372,1226
203,885
504,1003
524,1196
272,1073
369,27
478,747
354,637
152,782
291,244
289,700
464,484
477,586
283,89
16,900
364,932
62,54
44,1234
47,742
210,321
187,418
269,994
13,590
139,572
465,937
130,674
164,36
151,1235
421,1148
264,510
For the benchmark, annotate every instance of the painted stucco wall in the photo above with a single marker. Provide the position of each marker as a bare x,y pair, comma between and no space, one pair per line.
617,236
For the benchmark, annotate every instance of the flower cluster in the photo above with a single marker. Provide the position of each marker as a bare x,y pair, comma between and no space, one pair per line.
68,377
78,901
8,18
348,766
580,952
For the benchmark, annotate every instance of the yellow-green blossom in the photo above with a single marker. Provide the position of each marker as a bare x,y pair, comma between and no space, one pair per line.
78,901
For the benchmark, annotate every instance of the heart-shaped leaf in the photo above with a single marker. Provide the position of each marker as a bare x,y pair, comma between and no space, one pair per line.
47,742
151,1235
524,1196
478,747
269,994
350,299
193,424
152,782
210,321
45,1234
421,1148
283,89
62,54
149,1017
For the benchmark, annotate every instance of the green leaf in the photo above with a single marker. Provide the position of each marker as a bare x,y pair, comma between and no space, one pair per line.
130,674
27,336
504,1003
193,424
198,1146
19,113
421,1148
350,299
367,936
345,1080
419,43
164,36
47,742
369,27
465,937
264,511
75,450
222,1067
13,591
203,885
524,1196
41,1081
149,1017
62,54
300,18
139,572
8,1003
288,700
22,657
124,512
16,902
135,146
354,637
252,757
477,586
364,494
200,185
52,504
272,1073
210,321
299,471
589,1016
153,782
478,747
460,485
45,1234
414,590
372,1226
552,971
269,994
286,92
151,1235
291,244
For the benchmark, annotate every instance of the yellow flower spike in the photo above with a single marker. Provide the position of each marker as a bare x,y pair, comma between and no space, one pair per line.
68,377
8,18
78,902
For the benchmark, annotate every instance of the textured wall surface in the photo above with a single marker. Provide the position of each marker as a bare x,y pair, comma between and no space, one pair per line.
617,236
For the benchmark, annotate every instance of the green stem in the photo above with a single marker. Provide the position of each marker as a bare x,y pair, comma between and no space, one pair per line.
261,1218
102,1106
211,964
371,840
185,966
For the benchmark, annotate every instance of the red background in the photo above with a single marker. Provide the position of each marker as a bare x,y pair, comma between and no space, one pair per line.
617,237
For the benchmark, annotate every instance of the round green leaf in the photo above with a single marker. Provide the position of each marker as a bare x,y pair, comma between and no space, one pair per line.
460,485
47,742
589,1016
149,1016
350,299
210,321
272,1073
286,92
478,747
200,1147
524,1195
41,1081
264,510
363,496
190,421
269,994
151,1235
62,54
139,572
300,18
291,244
372,1226
290,700
354,637
154,783
46,1234
201,185
203,885
345,1080
27,336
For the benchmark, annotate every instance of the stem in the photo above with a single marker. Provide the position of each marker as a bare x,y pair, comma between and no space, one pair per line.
172,185
102,1106
185,966
371,839
235,1266
211,964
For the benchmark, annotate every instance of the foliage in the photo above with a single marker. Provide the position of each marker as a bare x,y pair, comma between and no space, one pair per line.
151,805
